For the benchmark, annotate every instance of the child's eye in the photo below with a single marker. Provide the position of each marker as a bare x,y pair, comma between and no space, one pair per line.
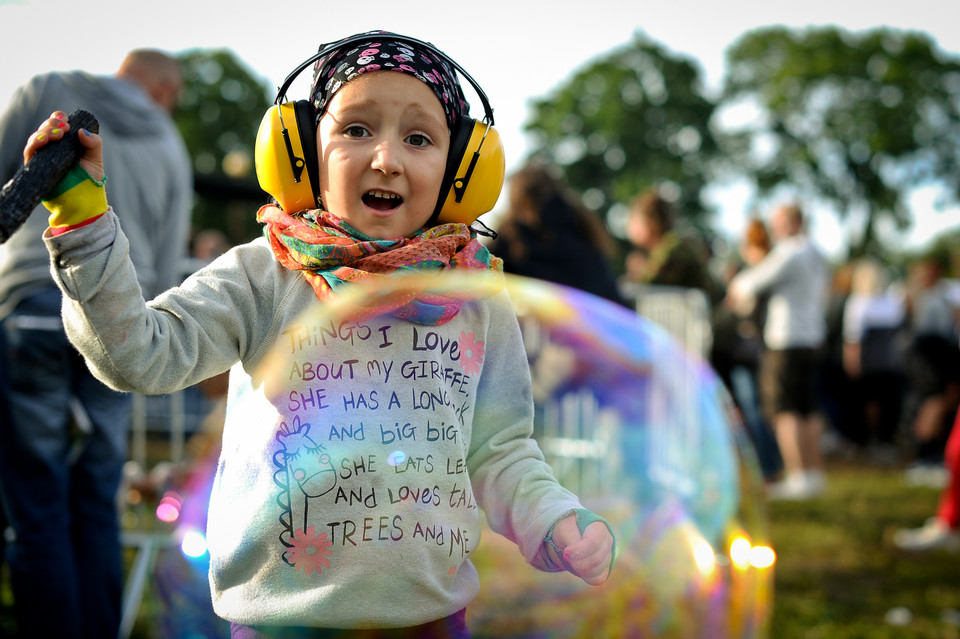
418,139
356,131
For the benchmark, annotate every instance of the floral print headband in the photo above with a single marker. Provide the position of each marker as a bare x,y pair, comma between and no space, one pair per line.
384,52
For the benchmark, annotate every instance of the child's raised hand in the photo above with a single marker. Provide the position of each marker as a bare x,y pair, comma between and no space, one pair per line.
80,195
588,556
54,128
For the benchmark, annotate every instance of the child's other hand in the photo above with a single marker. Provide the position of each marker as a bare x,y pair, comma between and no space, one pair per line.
54,128
588,556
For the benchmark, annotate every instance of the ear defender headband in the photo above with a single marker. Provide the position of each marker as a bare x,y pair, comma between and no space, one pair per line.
287,160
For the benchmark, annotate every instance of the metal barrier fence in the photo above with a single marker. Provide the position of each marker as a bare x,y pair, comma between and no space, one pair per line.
584,442
683,312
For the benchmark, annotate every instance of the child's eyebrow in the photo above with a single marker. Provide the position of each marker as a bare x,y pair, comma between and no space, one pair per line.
350,108
430,118
363,108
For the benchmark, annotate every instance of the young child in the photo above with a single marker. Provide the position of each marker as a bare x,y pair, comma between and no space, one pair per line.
349,487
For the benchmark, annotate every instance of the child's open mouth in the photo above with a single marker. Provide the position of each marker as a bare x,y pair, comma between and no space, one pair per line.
382,200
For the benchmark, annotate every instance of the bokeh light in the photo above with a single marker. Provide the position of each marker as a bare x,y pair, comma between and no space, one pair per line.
193,544
740,552
646,435
168,509
396,458
762,557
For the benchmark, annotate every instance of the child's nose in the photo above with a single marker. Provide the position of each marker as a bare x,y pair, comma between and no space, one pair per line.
387,157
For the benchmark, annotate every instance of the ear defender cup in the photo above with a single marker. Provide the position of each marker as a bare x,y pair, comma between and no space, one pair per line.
285,155
476,159
287,161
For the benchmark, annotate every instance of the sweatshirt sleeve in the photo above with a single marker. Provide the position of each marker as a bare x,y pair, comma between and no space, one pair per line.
182,337
514,485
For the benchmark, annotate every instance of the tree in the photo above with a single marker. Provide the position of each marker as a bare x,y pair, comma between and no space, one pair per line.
855,121
220,111
631,119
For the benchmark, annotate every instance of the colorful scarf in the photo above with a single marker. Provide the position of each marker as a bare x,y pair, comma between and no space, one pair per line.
330,253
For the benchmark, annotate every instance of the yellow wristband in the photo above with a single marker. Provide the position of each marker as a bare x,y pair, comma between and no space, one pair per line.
76,199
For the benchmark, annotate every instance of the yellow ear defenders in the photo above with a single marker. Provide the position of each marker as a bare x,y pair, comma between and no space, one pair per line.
287,159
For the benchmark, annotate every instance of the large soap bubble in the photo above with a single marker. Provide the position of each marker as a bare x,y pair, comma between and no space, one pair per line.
646,434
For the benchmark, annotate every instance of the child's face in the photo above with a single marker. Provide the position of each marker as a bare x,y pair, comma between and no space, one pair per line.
383,144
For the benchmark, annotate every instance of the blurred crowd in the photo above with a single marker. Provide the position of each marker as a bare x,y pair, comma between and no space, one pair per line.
859,359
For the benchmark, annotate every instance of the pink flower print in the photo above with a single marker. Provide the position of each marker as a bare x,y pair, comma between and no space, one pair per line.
471,353
309,551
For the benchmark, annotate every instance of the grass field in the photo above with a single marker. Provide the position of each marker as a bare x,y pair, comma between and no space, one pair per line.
838,575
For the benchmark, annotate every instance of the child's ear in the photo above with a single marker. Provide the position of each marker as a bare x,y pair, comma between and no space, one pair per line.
286,155
474,174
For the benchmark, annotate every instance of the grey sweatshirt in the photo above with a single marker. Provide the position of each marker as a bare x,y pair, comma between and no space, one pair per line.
148,177
795,278
357,455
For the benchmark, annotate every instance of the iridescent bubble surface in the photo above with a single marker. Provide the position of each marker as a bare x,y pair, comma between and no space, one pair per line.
646,434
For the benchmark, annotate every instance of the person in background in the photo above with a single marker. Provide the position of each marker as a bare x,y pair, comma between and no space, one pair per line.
63,434
833,383
738,349
932,368
873,318
206,246
549,234
794,278
942,531
661,255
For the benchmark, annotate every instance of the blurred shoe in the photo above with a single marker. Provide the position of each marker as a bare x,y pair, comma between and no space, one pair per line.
951,617
935,534
899,616
930,475
816,481
798,486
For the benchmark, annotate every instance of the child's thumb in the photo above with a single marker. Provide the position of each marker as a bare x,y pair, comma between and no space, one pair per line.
92,160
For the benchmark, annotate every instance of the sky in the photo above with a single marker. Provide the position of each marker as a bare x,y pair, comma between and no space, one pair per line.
517,50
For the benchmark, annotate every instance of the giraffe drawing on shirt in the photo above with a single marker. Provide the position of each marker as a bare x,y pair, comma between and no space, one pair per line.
304,470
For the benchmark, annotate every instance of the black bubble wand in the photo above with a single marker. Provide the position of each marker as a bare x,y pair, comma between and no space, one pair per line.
24,191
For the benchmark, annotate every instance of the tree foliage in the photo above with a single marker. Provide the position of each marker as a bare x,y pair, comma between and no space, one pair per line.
856,121
629,120
220,111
